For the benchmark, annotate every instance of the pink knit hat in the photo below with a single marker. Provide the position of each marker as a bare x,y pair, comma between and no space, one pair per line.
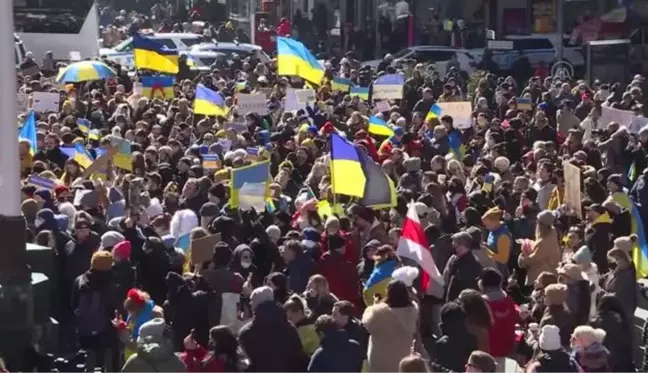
122,250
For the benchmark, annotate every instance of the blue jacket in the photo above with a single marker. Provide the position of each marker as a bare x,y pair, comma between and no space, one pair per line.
299,271
337,353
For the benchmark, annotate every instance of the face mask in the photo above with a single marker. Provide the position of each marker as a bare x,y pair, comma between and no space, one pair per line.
245,264
612,265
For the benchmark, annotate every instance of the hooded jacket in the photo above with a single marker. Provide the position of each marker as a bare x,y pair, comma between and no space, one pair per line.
299,271
337,353
597,238
454,347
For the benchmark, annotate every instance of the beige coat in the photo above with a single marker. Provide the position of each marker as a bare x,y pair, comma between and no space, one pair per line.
544,256
392,331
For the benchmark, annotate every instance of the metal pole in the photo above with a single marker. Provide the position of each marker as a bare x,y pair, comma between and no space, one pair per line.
560,14
9,160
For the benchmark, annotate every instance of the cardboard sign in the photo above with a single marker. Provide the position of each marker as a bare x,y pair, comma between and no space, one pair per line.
387,91
623,117
202,249
572,187
252,103
305,96
43,102
461,113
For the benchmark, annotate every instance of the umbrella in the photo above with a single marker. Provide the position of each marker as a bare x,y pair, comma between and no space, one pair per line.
84,71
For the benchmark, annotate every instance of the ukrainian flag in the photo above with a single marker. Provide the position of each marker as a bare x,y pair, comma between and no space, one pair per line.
361,92
81,156
632,173
640,251
341,84
250,185
209,102
456,145
435,112
293,58
28,132
241,86
123,158
347,176
158,87
211,161
151,55
379,127
84,125
378,281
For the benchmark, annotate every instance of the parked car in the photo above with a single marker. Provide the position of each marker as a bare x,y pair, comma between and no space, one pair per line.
437,55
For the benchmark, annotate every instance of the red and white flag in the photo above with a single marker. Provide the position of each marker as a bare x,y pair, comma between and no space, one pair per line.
413,244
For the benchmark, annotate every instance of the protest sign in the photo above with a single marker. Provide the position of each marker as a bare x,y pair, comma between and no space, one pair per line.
387,91
291,103
461,113
201,250
572,187
524,103
253,196
305,96
382,106
608,115
252,103
43,102
267,91
30,71
100,162
42,182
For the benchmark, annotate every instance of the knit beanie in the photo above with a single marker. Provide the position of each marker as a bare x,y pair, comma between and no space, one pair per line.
111,238
550,338
101,261
122,250
625,243
261,295
582,255
555,294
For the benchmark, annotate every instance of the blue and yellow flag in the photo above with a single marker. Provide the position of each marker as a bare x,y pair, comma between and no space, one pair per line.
84,125
341,84
158,87
250,186
211,161
640,251
152,55
378,281
123,157
294,59
456,145
347,177
81,156
28,132
435,112
208,102
378,126
361,92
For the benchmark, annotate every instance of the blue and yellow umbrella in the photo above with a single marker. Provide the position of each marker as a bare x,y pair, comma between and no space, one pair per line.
85,71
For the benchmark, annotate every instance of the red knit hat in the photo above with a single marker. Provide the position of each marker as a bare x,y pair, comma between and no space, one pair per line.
122,250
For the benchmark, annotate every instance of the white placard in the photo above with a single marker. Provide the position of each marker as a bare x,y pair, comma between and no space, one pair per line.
252,103
382,106
461,113
387,91
291,103
252,196
608,114
75,56
305,96
45,102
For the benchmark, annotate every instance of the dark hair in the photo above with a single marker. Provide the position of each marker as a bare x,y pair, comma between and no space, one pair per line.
398,296
280,281
346,308
476,307
42,238
325,324
491,278
294,304
452,313
223,342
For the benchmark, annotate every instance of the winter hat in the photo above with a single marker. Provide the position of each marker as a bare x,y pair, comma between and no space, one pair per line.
152,330
122,250
311,236
273,232
101,261
625,243
572,271
412,164
168,241
332,220
549,338
111,238
209,209
68,209
582,255
546,218
406,275
45,219
261,295
421,209
585,336
555,294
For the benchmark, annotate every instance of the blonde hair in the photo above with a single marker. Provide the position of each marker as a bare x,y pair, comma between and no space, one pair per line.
585,336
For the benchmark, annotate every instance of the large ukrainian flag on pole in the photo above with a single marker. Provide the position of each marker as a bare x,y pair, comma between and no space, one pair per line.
208,102
378,281
250,186
293,58
640,250
28,132
347,177
151,55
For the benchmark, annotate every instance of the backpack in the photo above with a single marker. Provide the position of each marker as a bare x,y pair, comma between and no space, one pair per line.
91,314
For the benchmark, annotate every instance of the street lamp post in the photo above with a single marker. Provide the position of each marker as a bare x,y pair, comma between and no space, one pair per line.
560,15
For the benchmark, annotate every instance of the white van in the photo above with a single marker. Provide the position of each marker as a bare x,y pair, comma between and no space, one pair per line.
123,52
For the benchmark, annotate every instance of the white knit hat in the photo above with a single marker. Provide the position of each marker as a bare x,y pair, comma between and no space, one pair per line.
406,275
550,338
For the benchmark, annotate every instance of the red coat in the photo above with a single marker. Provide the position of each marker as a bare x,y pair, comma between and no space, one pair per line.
194,361
502,334
341,275
351,252
284,29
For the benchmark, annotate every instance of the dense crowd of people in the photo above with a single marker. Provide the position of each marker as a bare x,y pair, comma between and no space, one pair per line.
529,281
